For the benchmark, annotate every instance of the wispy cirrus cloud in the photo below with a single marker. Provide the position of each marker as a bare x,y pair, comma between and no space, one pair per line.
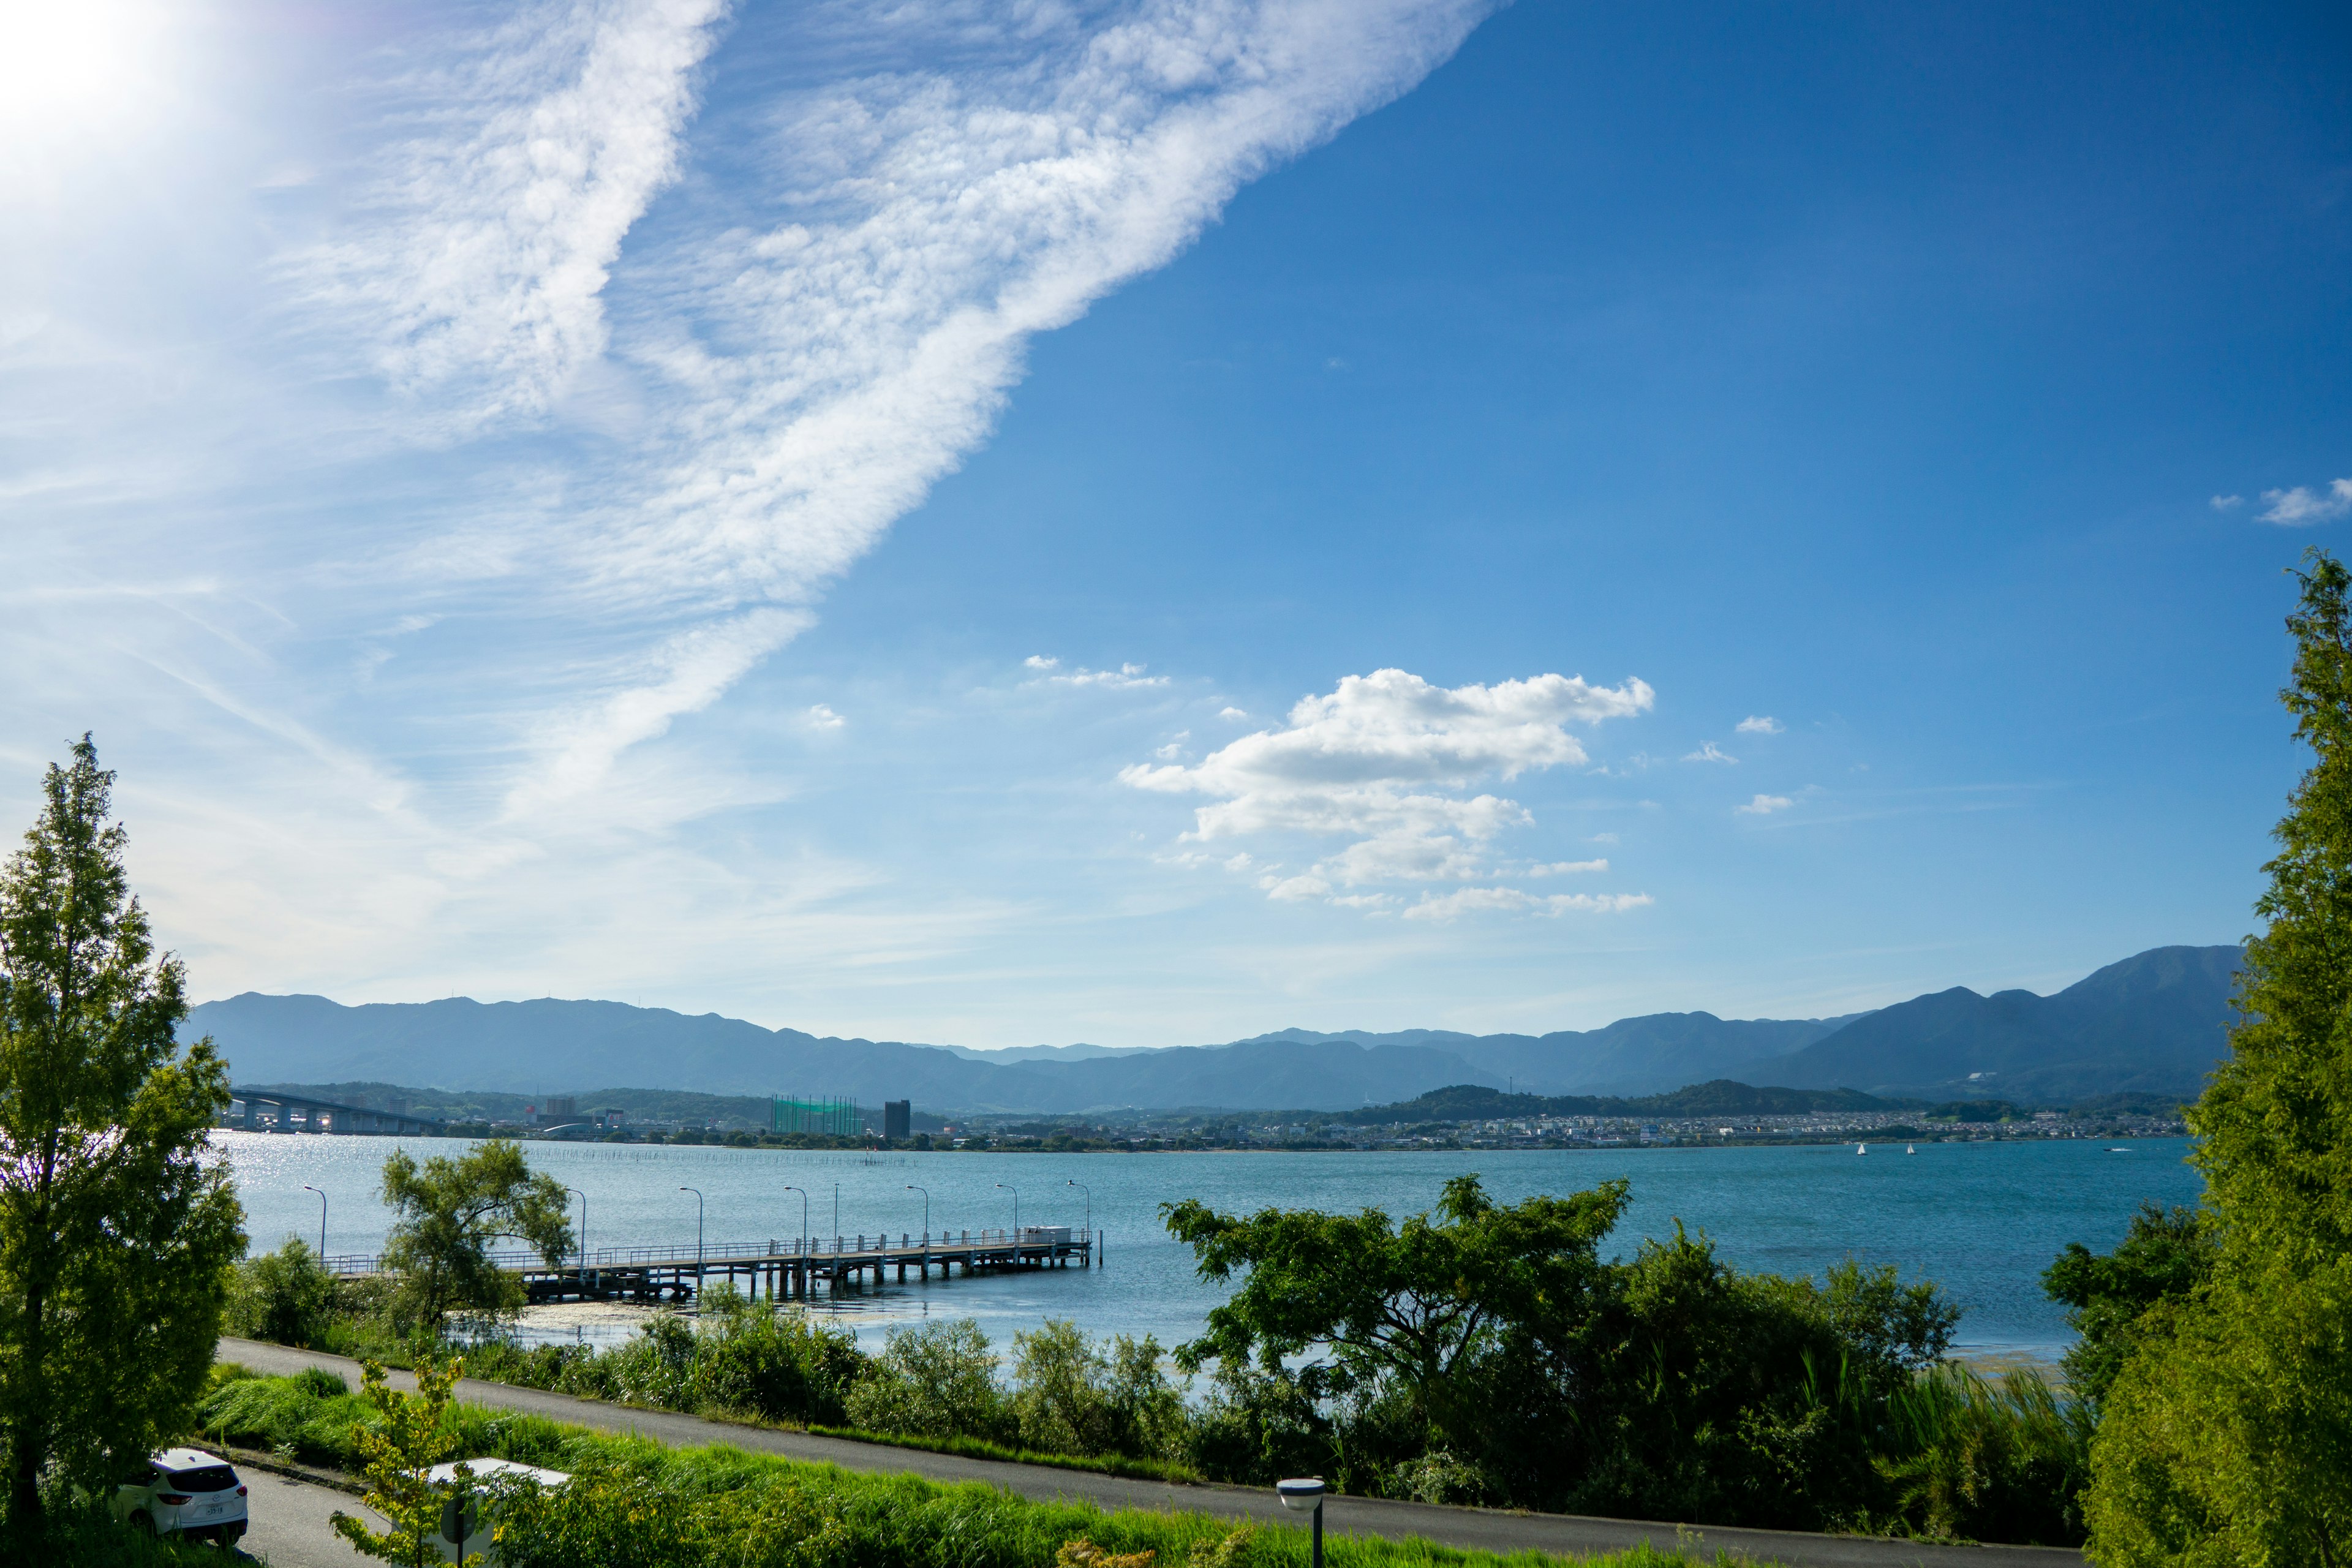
599,342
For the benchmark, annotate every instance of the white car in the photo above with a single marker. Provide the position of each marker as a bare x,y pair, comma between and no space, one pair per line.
481,1519
184,1492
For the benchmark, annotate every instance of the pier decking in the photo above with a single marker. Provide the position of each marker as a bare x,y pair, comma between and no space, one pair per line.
779,1269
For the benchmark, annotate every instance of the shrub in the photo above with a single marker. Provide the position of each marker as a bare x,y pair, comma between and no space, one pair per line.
1071,1397
935,1381
285,1296
1986,1460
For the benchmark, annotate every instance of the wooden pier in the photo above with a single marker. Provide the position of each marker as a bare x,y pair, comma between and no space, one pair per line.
780,1269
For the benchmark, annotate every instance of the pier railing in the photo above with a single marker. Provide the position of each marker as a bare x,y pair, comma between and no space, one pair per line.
815,1248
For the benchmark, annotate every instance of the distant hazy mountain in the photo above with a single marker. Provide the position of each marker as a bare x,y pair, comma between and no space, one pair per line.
2151,1023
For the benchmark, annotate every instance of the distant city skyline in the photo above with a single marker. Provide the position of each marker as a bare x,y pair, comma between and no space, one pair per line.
1163,522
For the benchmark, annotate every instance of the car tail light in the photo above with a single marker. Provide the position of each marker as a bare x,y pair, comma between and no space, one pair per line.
171,1499
240,1491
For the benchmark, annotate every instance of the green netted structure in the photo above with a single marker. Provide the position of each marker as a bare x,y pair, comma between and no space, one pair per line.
831,1117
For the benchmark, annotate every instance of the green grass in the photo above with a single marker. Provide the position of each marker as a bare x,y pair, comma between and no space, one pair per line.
723,1505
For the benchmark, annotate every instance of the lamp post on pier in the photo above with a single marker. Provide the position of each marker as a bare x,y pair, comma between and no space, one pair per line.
1090,1216
1016,1220
697,1246
927,1228
805,1280
576,1192
322,1222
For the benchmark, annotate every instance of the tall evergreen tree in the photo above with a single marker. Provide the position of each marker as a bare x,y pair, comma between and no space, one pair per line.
116,1233
2228,1436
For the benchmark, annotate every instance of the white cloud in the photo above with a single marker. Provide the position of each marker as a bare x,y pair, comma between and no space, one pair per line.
686,675
1039,661
2301,505
1760,724
1385,759
1126,677
1765,805
1567,869
478,264
1604,839
1292,890
1710,753
823,717
1511,900
2227,503
1235,714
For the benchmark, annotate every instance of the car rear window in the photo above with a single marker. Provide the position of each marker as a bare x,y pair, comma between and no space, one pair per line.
211,1478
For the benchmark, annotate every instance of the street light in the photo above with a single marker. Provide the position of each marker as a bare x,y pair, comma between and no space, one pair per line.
576,1192
803,1192
697,1246
1090,1214
927,1227
322,1222
1016,1220
1306,1492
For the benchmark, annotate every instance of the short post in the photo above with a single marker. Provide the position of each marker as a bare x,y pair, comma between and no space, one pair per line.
1306,1492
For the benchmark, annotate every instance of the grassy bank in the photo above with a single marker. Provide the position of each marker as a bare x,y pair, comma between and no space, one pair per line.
636,1504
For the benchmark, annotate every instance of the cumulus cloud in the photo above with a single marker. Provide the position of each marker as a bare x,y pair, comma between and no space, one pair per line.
1760,724
1566,868
1765,805
2302,505
1235,714
1511,900
1388,761
2227,503
821,716
1710,753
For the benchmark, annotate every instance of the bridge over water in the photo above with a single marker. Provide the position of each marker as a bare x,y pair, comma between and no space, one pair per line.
272,1110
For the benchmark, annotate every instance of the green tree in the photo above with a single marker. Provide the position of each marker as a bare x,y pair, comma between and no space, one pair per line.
116,1232
449,1211
1420,1310
396,1462
2227,1436
285,1296
2164,1257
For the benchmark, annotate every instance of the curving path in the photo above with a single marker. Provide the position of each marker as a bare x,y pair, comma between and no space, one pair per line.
1487,1530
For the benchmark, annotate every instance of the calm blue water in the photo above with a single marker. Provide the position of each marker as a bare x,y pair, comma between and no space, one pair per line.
1983,1219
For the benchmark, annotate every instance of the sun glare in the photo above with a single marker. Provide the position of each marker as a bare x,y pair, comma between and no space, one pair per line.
75,65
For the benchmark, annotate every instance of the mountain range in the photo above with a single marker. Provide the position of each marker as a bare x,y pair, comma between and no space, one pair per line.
2154,1023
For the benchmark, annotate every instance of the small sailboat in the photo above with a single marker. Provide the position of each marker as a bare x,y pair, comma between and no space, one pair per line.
1910,1148
1862,1148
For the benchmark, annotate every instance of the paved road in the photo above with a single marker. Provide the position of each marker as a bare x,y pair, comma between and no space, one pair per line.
1483,1528
289,1526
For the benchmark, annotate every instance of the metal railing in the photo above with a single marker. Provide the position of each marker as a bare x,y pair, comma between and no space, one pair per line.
788,1249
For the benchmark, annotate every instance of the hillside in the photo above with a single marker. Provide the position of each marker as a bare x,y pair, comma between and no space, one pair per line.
2152,1025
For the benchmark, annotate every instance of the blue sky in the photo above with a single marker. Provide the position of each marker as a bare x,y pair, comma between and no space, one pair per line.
1152,522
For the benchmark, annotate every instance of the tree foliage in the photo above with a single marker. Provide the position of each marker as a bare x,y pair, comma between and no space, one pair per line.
447,1214
1489,1352
2227,1436
285,1296
396,1460
2165,1256
116,1233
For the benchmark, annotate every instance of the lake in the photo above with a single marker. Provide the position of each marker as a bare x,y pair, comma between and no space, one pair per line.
1982,1219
